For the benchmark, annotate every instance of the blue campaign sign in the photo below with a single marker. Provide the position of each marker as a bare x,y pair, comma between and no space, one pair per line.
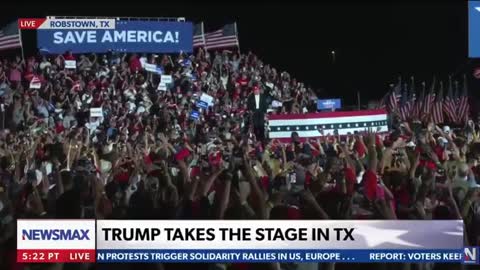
202,104
327,104
128,36
194,115
474,29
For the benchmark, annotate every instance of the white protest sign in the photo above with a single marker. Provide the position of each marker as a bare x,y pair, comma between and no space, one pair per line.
71,64
96,112
152,68
166,79
162,86
207,98
276,104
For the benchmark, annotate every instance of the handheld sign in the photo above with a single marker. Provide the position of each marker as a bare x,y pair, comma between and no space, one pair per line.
166,79
162,86
70,64
194,115
327,104
207,99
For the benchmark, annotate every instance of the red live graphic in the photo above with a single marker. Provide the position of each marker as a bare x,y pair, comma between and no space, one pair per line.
31,23
55,255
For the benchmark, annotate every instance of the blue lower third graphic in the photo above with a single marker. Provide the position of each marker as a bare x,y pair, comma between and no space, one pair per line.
145,255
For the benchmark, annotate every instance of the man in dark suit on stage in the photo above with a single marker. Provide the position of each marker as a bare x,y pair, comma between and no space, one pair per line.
257,105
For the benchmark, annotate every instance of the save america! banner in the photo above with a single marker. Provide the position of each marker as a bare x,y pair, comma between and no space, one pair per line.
126,36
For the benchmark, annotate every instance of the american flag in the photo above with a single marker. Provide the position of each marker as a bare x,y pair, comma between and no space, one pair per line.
417,110
429,100
412,98
394,97
437,110
198,35
404,108
222,38
10,37
463,106
383,102
456,93
307,125
449,103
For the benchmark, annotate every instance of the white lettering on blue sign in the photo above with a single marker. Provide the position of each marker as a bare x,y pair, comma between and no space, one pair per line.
128,36
75,37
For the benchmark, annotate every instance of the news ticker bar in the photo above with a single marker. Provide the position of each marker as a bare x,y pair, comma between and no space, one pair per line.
299,256
248,256
234,241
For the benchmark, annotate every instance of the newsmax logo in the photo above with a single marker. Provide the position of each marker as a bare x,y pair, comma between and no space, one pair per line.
55,234
470,255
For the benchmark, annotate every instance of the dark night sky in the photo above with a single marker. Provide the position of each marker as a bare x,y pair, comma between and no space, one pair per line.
374,42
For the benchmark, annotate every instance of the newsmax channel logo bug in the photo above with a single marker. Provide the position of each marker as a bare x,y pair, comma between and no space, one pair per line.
470,255
55,234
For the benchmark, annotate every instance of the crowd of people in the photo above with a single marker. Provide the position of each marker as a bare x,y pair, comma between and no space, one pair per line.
146,157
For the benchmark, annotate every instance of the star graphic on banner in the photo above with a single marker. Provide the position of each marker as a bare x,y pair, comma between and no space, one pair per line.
340,126
278,128
356,125
377,236
298,128
323,127
306,127
331,126
288,128
364,124
348,125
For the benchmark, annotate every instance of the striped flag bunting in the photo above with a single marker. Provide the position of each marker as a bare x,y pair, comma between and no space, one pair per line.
437,110
198,35
10,37
449,103
463,106
281,126
225,37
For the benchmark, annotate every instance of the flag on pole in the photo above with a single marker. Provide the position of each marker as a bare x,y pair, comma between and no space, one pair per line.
463,106
10,37
225,37
437,110
449,103
395,94
383,102
198,35
417,111
404,107
429,100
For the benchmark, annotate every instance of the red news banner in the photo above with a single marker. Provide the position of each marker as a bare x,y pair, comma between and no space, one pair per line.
50,241
30,23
